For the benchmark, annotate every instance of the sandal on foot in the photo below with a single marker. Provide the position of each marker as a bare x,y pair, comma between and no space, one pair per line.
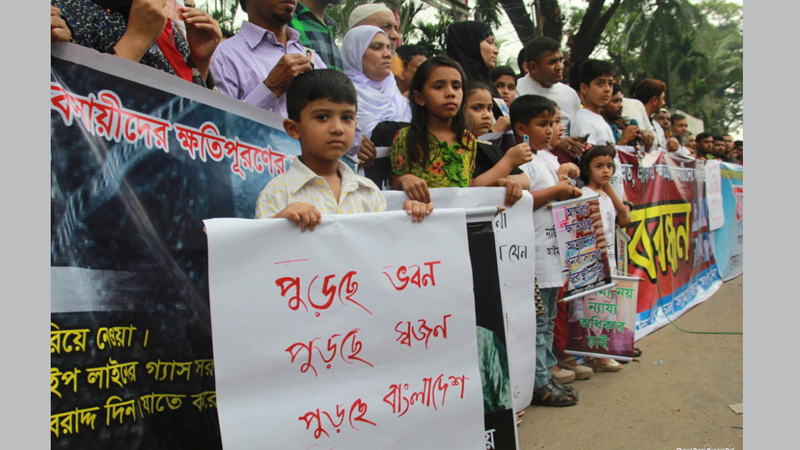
611,366
637,352
552,395
569,389
581,372
564,376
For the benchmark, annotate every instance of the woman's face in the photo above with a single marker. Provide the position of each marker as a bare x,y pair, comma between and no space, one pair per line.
489,52
377,60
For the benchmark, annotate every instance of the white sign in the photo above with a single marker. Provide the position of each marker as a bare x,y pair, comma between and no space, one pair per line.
516,256
716,214
359,334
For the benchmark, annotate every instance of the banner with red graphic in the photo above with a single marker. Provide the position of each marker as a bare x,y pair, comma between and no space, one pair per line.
671,247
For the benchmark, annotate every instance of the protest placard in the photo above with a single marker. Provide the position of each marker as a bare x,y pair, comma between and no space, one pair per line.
582,246
321,340
602,324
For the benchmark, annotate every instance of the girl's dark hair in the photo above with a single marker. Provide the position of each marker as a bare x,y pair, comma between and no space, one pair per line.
472,86
417,146
592,153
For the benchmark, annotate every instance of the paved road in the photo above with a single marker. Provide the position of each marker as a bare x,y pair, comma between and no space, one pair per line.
678,404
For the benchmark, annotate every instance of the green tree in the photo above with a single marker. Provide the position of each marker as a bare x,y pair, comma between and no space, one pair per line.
223,11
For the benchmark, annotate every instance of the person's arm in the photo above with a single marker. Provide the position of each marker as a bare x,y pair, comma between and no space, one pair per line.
415,188
623,214
146,20
203,34
561,191
514,157
59,31
522,179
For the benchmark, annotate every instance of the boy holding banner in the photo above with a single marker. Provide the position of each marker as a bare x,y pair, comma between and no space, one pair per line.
322,115
532,119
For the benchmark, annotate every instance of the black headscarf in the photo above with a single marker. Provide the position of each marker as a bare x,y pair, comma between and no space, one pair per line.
464,45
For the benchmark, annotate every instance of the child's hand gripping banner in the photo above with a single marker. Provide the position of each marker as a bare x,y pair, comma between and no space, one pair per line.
582,245
603,323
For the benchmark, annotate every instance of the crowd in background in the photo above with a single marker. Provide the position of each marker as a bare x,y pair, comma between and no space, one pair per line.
493,109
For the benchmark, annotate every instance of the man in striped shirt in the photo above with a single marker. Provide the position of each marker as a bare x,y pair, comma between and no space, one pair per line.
316,30
258,64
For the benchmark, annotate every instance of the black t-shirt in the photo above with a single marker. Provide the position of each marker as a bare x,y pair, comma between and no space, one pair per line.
488,155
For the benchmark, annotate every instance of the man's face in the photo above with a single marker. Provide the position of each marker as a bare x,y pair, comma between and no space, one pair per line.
719,147
680,127
706,145
728,142
386,22
280,11
613,110
549,70
662,118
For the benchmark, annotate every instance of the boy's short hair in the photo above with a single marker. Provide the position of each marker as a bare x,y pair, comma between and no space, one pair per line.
527,107
499,71
738,144
616,88
702,136
521,59
719,138
594,152
647,89
676,117
534,50
318,84
592,69
408,52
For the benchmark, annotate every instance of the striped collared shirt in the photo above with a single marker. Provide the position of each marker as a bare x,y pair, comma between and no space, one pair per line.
242,63
318,35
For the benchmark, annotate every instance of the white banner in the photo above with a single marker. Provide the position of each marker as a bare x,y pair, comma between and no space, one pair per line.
357,335
514,239
716,214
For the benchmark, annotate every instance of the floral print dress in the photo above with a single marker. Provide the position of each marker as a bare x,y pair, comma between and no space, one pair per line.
449,166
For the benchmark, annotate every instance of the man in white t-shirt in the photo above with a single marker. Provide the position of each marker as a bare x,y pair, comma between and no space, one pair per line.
651,93
545,64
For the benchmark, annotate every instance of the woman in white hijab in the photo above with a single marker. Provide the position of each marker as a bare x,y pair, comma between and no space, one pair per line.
368,63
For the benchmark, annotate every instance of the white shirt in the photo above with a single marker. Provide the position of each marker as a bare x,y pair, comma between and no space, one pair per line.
661,138
542,171
600,133
564,96
593,124
301,184
633,109
609,217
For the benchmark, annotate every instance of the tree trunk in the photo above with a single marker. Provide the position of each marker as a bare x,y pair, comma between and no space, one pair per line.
519,17
552,19
592,27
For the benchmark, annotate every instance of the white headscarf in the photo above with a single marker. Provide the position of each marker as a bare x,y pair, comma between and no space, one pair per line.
378,101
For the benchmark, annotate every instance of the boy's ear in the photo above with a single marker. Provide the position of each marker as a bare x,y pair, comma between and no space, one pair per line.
584,88
292,128
418,98
519,128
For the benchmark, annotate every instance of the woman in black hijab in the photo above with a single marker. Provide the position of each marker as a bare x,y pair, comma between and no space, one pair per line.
472,45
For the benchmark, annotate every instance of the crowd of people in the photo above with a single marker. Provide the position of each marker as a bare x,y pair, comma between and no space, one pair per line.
451,121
